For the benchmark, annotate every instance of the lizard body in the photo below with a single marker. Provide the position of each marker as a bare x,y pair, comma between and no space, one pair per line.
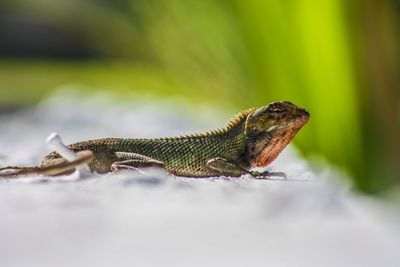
254,138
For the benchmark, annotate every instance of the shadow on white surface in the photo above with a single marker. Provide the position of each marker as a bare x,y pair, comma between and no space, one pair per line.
152,219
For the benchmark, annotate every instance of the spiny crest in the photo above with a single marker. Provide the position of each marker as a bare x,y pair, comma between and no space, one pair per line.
239,118
203,134
231,123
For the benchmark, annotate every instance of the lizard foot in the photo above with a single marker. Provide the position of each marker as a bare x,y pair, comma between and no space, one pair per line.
267,175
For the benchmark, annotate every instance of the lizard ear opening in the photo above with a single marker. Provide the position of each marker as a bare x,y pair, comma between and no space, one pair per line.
251,125
238,119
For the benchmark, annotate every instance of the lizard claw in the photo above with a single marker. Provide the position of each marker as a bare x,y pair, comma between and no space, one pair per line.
267,175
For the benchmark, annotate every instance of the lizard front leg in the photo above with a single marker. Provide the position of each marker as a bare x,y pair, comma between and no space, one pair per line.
267,174
224,167
133,161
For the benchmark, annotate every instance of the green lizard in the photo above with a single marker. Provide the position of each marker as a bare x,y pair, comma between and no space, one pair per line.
254,138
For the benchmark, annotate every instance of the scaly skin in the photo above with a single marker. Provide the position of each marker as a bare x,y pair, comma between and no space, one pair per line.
254,138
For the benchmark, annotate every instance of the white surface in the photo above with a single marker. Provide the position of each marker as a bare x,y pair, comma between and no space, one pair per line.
152,219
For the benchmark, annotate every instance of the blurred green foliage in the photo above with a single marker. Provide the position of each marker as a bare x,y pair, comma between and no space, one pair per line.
337,58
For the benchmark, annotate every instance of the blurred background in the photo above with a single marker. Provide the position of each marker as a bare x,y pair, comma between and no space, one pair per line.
337,58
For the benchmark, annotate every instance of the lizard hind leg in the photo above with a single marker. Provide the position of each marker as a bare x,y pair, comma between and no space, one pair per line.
134,161
60,166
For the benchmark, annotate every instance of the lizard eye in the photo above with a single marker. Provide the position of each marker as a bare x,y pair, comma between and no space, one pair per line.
254,128
278,110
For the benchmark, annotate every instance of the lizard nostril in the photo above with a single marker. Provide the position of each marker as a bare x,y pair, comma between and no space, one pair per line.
303,112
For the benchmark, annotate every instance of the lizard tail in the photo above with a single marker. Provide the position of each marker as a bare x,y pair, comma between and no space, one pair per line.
16,168
60,166
14,171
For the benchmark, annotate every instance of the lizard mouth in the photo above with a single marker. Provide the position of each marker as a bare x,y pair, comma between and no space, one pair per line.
304,117
272,148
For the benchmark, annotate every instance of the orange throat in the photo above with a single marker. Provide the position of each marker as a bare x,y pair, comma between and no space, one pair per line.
272,150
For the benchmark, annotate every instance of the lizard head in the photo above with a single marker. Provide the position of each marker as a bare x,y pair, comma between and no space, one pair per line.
270,129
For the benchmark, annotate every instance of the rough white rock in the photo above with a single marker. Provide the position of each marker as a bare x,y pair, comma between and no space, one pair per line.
152,219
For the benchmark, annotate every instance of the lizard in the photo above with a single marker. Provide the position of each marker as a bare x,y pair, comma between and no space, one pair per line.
253,138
